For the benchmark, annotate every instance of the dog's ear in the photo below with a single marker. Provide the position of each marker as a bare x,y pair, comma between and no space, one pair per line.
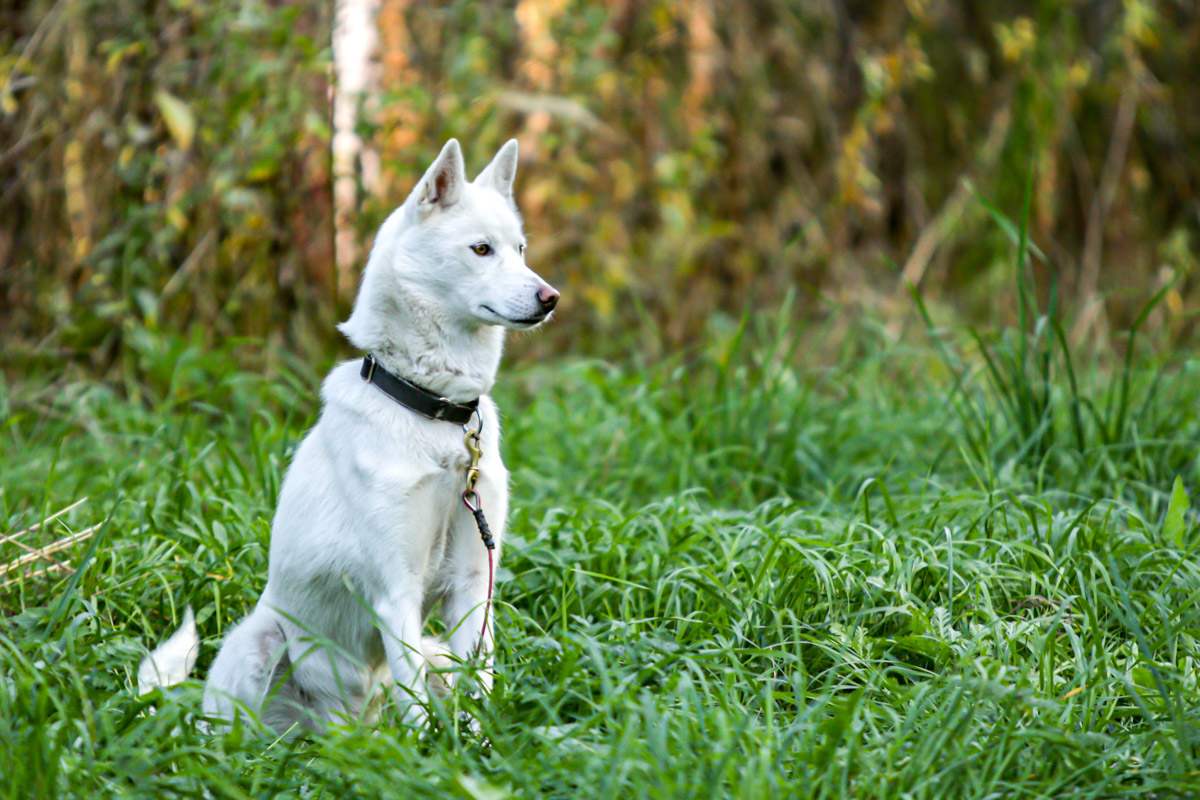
502,171
444,180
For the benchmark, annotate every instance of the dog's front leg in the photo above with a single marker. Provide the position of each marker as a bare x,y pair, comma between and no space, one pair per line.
463,611
400,627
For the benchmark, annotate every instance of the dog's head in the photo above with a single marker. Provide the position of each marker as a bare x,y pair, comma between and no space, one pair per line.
456,249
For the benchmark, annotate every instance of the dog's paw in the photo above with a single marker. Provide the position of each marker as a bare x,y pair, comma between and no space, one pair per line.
439,666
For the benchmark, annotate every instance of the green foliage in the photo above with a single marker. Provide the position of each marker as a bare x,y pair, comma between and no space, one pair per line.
1175,522
1029,376
168,164
723,576
168,154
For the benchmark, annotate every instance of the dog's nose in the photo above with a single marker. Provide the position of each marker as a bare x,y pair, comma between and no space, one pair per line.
547,297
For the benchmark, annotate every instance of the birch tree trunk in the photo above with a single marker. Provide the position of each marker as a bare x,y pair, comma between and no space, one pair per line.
356,82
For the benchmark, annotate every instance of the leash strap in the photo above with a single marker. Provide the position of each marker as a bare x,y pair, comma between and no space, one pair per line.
474,504
416,398
484,532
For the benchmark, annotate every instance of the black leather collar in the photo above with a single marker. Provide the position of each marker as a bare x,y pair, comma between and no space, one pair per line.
411,396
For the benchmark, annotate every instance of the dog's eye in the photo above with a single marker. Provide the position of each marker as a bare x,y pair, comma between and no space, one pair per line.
482,249
521,249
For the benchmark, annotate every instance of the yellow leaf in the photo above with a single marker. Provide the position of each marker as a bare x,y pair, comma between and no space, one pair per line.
179,118
75,180
177,218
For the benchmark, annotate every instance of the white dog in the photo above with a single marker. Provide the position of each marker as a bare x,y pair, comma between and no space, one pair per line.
372,531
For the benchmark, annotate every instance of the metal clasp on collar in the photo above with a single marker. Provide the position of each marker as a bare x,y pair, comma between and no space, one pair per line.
370,371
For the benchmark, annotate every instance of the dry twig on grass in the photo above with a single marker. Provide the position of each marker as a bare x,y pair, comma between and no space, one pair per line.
45,552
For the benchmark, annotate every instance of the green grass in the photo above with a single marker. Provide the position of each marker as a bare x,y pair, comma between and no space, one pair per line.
726,576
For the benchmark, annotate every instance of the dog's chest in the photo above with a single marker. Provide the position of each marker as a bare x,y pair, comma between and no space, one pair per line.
455,461
403,463
436,496
446,484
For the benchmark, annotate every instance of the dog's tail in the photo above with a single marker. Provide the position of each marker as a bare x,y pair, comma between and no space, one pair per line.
170,662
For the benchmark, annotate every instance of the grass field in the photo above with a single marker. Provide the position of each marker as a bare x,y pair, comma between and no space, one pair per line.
963,567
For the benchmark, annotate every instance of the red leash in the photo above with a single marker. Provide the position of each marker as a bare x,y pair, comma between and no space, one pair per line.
488,606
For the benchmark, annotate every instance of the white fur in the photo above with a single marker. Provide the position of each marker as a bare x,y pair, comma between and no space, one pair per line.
172,660
370,533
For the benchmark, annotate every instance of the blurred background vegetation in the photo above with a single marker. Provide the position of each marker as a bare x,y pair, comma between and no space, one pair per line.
166,171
